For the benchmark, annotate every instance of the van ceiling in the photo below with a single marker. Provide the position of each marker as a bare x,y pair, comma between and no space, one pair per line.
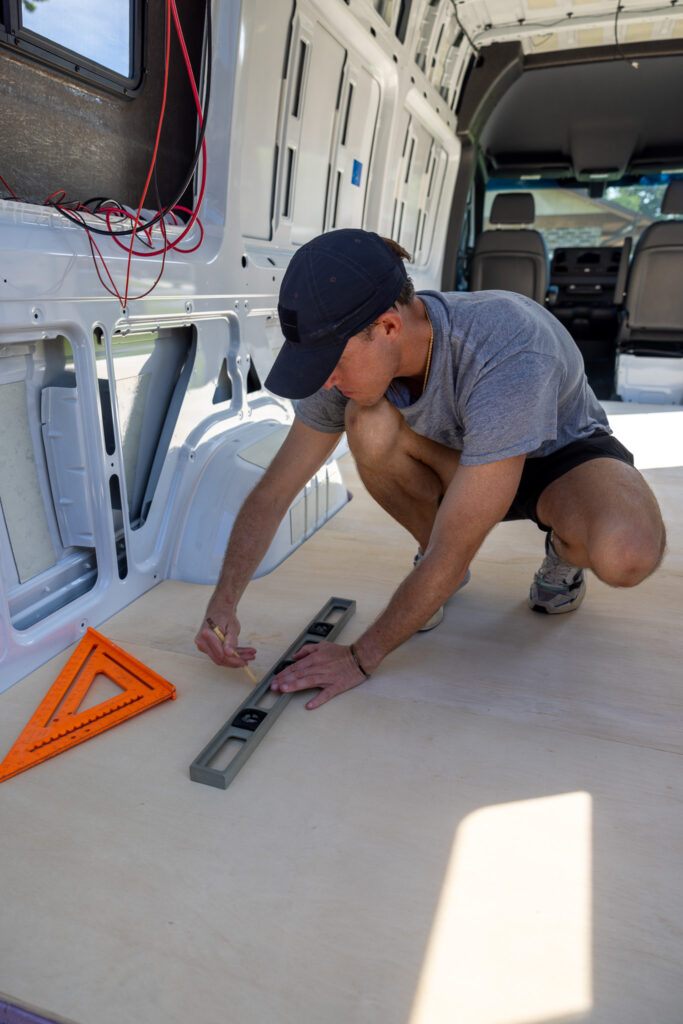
544,26
589,121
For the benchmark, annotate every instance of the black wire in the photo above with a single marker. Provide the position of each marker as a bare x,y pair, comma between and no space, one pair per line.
146,225
463,29
616,38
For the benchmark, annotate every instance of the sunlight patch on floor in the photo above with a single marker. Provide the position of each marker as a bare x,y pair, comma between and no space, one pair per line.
511,940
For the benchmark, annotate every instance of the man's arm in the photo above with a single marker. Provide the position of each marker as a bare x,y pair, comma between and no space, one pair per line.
302,453
477,498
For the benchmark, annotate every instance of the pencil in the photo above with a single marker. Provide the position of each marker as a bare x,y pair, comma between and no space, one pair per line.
221,636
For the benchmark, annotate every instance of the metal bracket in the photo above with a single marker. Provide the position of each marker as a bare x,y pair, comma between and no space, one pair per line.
250,722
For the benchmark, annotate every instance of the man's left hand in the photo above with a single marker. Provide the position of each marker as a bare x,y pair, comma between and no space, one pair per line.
328,666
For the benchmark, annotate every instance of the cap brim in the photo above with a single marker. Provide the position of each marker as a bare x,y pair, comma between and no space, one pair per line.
301,370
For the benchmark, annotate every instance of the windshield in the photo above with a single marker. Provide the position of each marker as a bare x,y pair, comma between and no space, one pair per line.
570,217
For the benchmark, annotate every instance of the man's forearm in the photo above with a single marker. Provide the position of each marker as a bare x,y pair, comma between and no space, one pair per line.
415,600
253,530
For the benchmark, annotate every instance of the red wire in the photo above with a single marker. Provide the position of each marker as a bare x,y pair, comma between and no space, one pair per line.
156,146
7,187
194,214
107,213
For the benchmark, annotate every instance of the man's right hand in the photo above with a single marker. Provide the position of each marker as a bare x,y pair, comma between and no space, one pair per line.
223,652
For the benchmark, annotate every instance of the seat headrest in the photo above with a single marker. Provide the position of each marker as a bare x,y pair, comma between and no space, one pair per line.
513,208
673,198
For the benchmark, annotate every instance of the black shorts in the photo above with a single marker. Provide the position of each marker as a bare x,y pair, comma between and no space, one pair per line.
538,473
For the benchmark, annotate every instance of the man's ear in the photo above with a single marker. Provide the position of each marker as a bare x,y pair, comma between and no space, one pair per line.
392,323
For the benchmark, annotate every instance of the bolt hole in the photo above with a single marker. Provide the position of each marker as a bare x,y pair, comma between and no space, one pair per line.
244,261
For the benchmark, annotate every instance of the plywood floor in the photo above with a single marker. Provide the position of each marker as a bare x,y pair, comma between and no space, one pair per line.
489,831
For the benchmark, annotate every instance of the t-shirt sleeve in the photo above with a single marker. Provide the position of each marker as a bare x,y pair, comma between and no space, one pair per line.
322,411
512,409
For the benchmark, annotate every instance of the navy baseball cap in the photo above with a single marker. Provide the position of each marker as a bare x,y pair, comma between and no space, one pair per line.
335,285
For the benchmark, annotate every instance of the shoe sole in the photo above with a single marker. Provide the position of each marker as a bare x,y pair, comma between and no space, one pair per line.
569,607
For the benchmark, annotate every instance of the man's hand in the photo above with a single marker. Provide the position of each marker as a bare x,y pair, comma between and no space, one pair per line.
223,652
328,666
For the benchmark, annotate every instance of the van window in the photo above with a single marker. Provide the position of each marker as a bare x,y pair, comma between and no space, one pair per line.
571,217
96,39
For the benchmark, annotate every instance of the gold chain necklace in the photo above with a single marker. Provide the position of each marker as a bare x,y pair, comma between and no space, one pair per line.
429,353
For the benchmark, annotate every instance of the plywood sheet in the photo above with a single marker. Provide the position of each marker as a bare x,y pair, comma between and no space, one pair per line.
486,832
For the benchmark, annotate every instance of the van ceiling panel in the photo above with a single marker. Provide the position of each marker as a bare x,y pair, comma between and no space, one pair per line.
548,26
585,119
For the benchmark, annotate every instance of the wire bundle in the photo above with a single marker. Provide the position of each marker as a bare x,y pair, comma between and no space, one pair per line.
118,222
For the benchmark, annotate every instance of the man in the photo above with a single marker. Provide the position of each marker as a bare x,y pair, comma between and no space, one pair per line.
461,410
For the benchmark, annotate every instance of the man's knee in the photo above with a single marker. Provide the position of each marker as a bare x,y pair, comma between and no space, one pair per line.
627,554
372,432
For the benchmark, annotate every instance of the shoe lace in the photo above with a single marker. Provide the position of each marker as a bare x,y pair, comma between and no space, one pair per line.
555,572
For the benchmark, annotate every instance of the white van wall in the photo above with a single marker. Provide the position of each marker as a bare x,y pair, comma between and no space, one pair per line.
115,475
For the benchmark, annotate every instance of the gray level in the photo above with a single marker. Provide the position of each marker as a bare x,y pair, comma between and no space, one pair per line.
251,721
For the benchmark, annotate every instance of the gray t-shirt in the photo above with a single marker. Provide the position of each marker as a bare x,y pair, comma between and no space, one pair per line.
506,379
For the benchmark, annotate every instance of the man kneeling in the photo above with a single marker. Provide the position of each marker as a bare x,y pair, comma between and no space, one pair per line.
461,410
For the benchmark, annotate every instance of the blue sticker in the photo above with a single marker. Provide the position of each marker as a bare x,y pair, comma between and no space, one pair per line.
356,173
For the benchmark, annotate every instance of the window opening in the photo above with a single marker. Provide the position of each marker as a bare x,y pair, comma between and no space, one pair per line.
410,160
438,46
447,84
117,521
253,379
572,217
402,20
151,374
96,39
400,221
426,29
348,114
336,198
223,392
431,176
416,246
296,101
287,205
385,8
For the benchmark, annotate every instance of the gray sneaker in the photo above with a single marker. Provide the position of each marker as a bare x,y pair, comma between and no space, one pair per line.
558,587
437,617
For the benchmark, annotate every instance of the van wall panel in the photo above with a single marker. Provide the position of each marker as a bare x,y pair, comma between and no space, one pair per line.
325,63
354,150
265,28
21,498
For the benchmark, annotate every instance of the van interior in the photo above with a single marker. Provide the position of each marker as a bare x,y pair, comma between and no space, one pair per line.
486,831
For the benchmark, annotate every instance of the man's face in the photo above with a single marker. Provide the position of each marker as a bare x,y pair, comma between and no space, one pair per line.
367,366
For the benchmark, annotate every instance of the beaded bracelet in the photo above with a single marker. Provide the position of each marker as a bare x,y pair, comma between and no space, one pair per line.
355,658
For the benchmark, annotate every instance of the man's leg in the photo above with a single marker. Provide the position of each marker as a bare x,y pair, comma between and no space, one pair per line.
604,517
405,473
